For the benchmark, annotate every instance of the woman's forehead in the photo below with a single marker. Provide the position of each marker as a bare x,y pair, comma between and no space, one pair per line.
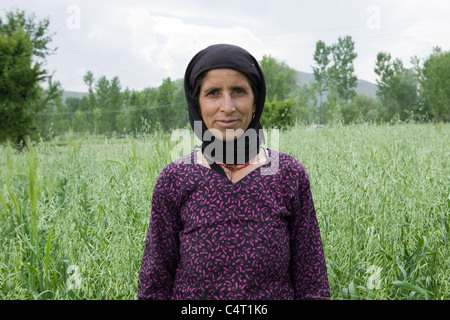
224,76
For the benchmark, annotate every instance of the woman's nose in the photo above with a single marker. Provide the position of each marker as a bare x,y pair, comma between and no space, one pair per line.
227,104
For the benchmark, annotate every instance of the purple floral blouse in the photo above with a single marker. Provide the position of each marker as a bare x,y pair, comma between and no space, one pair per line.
210,239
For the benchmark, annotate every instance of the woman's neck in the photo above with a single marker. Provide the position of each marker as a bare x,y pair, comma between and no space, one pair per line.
260,159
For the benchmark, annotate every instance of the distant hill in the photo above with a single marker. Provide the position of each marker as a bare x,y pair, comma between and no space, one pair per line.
73,94
364,87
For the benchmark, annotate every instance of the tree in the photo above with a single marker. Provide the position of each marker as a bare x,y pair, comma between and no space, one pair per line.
24,45
397,87
333,74
79,122
166,110
180,104
102,114
341,75
281,80
52,120
322,60
305,102
115,103
279,114
73,103
362,108
104,104
435,85
89,102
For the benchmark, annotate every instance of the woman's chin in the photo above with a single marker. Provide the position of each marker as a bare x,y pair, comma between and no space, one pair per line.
227,137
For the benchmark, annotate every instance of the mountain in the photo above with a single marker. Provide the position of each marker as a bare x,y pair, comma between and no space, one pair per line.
363,87
303,78
73,94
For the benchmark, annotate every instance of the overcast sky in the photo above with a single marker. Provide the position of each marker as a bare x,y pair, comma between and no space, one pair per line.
144,42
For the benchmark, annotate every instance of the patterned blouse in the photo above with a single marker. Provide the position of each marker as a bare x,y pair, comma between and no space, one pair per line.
210,238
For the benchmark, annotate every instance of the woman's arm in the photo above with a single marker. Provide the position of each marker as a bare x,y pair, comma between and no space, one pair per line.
160,257
308,267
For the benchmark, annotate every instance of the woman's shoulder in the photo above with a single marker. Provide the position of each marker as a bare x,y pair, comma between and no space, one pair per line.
285,160
180,166
288,165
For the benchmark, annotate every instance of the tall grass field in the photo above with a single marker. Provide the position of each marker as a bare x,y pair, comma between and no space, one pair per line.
74,215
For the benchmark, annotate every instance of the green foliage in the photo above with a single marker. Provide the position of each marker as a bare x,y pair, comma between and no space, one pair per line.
341,75
397,87
305,102
164,99
382,199
333,75
108,109
419,94
435,85
53,120
361,109
281,80
36,31
102,106
79,122
322,60
279,114
24,44
74,218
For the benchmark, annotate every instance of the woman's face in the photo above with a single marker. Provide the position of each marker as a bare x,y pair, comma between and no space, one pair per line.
227,103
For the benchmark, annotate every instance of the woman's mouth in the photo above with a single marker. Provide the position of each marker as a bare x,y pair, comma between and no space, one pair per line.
227,123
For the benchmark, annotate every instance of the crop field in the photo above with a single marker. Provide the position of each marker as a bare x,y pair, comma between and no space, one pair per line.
74,213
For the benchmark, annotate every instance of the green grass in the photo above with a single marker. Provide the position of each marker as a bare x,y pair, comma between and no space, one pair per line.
74,215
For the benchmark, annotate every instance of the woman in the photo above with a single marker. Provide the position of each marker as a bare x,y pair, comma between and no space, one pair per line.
223,225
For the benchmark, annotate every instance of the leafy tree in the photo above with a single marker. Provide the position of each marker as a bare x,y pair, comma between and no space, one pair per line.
115,103
387,71
397,87
180,104
279,114
332,108
79,122
103,105
73,103
333,74
54,119
88,103
322,60
109,98
341,75
102,114
407,94
305,104
361,109
435,85
166,110
281,80
60,121
24,45
142,110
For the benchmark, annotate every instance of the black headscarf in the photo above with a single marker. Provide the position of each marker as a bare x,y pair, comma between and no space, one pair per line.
231,57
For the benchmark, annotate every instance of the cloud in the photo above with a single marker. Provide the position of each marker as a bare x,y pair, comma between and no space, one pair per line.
166,44
143,42
139,46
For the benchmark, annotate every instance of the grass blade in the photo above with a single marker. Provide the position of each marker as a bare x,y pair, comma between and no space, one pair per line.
411,287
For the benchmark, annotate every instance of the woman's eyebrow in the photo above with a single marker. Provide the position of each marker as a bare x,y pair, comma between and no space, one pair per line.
206,91
211,88
220,88
239,87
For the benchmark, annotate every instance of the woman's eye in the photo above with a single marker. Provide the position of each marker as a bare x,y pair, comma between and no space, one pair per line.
212,92
239,91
